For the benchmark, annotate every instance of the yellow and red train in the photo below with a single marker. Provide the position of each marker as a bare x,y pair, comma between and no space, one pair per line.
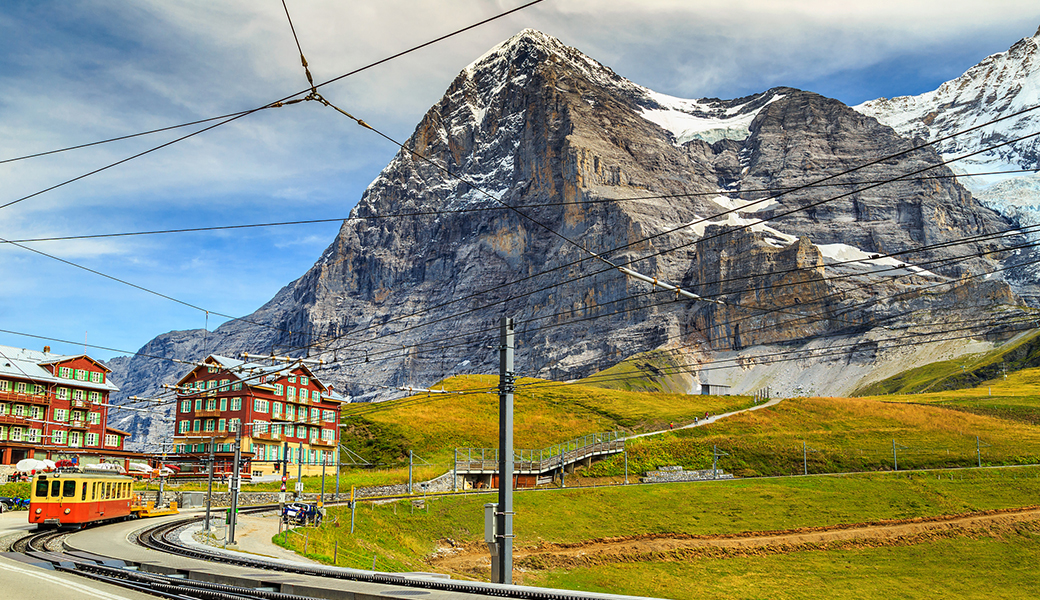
76,498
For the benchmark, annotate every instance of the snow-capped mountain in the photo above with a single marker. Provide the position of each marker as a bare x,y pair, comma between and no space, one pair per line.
1000,86
594,166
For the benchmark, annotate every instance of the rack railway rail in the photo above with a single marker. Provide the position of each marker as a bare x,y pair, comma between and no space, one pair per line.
48,550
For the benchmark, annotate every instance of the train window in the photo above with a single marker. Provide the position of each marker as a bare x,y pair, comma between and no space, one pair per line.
93,491
83,496
41,488
69,489
55,489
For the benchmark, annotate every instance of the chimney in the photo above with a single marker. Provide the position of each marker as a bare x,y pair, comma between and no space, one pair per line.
46,349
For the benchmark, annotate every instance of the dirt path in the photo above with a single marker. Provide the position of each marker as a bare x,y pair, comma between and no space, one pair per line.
474,558
709,420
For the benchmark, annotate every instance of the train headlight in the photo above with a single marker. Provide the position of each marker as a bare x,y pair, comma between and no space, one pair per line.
68,510
39,510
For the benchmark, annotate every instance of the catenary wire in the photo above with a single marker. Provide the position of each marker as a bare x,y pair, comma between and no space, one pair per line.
444,212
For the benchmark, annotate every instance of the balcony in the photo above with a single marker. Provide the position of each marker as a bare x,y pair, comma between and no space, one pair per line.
78,424
329,443
25,398
202,414
12,420
79,404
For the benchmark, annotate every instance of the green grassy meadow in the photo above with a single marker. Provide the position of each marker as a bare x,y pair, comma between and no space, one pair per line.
401,536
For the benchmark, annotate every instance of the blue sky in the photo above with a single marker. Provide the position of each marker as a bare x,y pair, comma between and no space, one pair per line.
75,72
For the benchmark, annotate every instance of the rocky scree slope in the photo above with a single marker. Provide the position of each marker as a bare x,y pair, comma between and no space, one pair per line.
676,189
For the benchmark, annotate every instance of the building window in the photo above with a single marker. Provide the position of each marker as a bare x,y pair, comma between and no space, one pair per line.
78,395
210,424
290,412
259,427
111,440
21,387
38,389
328,416
3,409
196,425
36,412
328,435
304,380
81,375
301,432
234,424
183,426
63,393
315,414
276,431
260,405
198,404
211,404
316,396
236,386
33,436
65,372
236,404
58,437
222,425
62,415
5,386
75,439
225,385
19,410
290,393
97,377
92,439
292,379
185,406
278,389
211,384
211,368
94,418
223,404
94,396
16,434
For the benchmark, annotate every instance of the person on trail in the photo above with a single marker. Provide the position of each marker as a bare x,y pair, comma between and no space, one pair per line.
671,426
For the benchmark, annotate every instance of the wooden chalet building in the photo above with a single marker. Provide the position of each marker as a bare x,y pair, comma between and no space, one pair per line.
55,406
278,408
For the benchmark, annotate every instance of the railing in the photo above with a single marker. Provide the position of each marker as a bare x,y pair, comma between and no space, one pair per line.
212,412
25,397
545,459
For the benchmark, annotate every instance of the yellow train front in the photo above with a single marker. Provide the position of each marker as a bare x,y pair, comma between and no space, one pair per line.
74,499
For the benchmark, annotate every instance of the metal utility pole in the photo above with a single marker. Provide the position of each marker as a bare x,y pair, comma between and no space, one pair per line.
895,456
805,458
299,473
322,503
411,456
236,483
209,489
626,465
285,478
504,518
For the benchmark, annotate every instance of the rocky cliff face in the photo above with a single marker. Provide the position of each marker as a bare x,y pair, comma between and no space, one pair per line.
537,157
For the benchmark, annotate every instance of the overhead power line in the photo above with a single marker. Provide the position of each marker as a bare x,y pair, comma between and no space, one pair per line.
237,115
480,209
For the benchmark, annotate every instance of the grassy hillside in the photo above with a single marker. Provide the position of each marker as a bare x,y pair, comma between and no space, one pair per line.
654,371
840,435
402,536
970,371
545,413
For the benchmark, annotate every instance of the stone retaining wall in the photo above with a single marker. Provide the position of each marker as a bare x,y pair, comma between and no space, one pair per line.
672,474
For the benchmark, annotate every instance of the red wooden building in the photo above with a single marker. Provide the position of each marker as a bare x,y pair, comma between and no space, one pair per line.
55,406
273,406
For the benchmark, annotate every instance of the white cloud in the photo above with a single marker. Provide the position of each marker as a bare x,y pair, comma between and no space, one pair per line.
77,72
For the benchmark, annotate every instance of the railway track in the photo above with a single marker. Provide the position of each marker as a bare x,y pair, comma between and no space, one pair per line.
47,547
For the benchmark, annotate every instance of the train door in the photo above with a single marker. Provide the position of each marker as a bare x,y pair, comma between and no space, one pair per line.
68,496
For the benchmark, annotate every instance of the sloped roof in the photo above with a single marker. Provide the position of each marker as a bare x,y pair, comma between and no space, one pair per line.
21,363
